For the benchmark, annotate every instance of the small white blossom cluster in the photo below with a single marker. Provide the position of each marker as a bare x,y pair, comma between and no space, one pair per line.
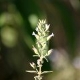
42,39
41,49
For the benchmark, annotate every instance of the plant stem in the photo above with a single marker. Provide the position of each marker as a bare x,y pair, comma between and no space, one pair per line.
40,62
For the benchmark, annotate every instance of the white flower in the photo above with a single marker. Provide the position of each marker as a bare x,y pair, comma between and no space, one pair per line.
37,37
49,37
42,21
33,33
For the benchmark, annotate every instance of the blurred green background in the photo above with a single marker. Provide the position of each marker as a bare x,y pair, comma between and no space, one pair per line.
18,19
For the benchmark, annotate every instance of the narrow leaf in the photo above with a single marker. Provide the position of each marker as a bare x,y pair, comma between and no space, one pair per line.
31,71
44,72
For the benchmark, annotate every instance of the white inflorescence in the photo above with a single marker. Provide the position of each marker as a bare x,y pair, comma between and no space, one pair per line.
42,37
41,50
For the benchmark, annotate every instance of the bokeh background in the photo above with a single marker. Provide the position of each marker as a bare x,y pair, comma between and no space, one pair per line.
18,19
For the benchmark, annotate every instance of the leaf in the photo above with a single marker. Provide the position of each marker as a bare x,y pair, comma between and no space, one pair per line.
44,72
46,58
36,56
33,65
31,71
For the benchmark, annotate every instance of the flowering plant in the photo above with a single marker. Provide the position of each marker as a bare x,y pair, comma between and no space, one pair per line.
41,50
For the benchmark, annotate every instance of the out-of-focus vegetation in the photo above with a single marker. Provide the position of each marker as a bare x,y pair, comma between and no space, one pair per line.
18,19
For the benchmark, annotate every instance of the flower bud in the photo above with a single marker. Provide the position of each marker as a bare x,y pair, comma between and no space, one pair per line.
47,27
49,52
33,65
35,50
